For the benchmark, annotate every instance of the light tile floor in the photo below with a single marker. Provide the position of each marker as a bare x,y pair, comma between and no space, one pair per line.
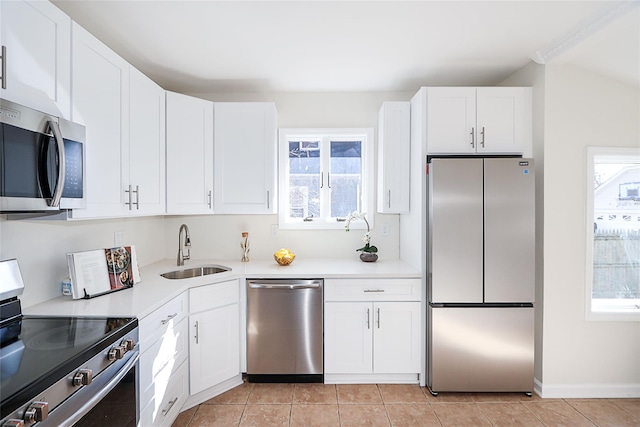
293,405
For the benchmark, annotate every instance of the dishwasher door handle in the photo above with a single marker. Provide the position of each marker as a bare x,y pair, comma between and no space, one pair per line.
284,284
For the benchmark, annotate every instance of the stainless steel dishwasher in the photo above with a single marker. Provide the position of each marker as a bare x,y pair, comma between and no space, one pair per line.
285,330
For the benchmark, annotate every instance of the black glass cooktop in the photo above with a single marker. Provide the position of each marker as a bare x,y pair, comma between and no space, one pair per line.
37,351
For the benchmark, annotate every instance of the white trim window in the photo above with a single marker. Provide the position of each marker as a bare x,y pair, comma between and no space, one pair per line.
325,174
613,234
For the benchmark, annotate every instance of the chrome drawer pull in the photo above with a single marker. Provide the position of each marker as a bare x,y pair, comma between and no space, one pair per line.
169,317
374,290
171,403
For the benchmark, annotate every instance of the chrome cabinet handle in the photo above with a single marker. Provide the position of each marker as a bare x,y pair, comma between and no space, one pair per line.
473,139
3,57
368,320
137,191
129,195
169,317
378,317
172,402
373,290
196,326
57,194
321,179
210,196
329,179
389,198
268,207
482,133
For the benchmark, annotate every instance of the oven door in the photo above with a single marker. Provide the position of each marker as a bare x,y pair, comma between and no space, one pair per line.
111,399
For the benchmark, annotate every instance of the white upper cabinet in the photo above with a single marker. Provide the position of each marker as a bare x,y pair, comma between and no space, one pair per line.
484,120
189,155
100,101
245,157
36,37
394,143
146,146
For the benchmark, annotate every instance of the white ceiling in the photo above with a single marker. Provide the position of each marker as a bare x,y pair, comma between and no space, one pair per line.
262,46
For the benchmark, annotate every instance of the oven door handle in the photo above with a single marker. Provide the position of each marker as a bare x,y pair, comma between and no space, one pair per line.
102,392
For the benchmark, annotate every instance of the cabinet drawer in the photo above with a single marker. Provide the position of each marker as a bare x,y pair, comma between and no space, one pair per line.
163,356
212,296
372,289
157,323
171,393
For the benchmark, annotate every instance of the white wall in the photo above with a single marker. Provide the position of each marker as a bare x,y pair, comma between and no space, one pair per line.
41,246
581,358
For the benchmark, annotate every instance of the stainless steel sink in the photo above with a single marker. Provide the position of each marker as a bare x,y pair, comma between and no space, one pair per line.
203,270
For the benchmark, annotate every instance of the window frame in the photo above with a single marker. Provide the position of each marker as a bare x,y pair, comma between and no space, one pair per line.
606,312
366,135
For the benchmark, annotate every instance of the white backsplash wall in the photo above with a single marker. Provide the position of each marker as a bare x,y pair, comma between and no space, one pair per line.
40,246
218,237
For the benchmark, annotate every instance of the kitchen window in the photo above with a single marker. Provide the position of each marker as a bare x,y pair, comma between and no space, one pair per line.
325,174
613,234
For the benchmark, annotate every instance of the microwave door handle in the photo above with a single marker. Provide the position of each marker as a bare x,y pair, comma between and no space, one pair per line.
57,193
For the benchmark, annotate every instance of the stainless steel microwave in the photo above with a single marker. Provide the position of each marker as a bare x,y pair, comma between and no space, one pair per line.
42,161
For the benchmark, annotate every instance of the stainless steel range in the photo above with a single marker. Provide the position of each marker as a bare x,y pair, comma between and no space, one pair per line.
64,371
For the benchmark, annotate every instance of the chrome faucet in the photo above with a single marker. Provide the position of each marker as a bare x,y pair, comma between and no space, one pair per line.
187,243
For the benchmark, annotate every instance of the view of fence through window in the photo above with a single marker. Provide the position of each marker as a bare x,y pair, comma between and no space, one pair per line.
616,229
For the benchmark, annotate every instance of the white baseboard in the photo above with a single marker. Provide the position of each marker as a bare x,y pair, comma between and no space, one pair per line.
586,391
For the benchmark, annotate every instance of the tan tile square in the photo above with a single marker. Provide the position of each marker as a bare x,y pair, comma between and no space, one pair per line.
557,414
363,415
460,414
401,393
358,393
509,414
631,406
184,417
217,416
271,393
314,416
604,413
237,395
412,414
315,393
266,416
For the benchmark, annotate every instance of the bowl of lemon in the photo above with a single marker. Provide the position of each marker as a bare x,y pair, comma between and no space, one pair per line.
284,256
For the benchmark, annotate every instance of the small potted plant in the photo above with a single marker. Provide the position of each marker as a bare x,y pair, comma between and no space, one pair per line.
368,251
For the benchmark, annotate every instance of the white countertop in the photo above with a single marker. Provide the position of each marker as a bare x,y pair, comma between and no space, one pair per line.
154,291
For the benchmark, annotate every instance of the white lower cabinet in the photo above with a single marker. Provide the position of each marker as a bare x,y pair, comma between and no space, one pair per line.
214,335
379,338
163,364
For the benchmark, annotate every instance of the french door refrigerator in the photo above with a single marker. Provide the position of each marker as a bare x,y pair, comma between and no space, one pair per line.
480,275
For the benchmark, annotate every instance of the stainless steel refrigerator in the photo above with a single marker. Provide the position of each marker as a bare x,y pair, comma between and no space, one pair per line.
480,275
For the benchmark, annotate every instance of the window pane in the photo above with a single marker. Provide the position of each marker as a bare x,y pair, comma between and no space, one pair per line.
346,177
304,179
616,237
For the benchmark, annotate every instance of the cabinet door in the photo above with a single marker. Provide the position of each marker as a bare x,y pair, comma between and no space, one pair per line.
504,119
214,347
396,338
451,120
348,338
37,38
189,155
100,101
245,157
146,145
394,143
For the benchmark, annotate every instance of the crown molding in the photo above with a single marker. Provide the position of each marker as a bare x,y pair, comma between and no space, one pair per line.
586,28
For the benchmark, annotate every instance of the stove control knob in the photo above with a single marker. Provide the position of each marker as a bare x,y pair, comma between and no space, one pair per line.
83,377
13,423
116,353
37,411
128,344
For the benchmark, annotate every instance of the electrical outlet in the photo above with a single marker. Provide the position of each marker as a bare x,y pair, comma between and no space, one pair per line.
385,229
118,238
274,230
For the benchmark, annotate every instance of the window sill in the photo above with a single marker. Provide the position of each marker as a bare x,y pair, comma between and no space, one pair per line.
625,310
